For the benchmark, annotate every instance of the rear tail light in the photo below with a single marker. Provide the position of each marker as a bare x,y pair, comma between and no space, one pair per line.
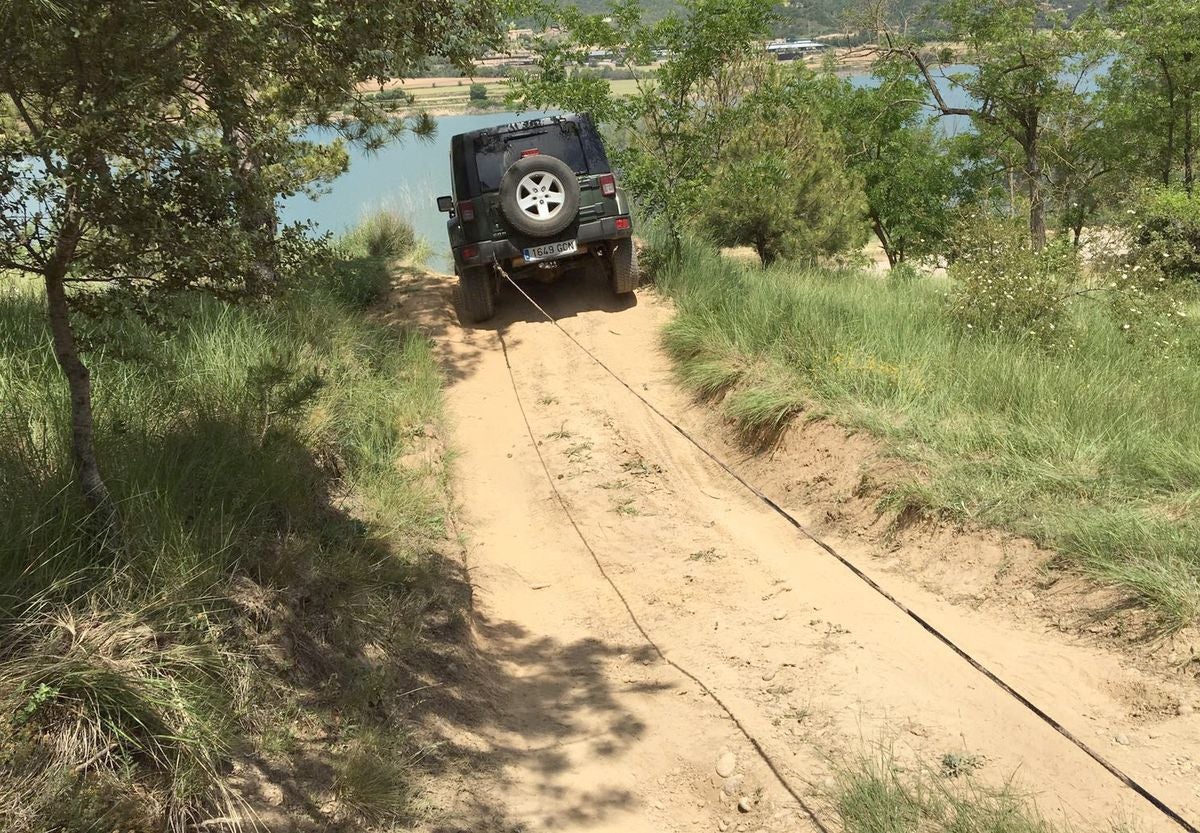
530,152
608,185
466,210
469,252
622,223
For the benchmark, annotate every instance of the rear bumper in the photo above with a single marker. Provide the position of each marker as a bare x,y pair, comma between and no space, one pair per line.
504,250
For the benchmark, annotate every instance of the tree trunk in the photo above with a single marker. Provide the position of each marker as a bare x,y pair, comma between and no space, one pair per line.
1188,142
765,255
1169,148
95,492
1033,173
885,241
258,219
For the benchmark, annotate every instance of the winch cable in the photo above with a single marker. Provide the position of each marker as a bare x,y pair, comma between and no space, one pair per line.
931,629
562,502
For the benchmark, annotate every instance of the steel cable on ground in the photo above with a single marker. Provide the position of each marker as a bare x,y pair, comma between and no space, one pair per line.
762,753
1158,803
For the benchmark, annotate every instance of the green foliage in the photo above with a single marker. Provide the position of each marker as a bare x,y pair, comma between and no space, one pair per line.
1166,233
1152,89
156,139
362,274
1026,78
780,185
126,679
906,167
478,92
667,129
873,793
385,234
1003,285
1092,451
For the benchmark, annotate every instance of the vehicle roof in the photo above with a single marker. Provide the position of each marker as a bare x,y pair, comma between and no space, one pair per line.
518,126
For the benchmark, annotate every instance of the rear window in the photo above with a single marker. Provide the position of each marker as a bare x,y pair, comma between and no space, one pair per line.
494,154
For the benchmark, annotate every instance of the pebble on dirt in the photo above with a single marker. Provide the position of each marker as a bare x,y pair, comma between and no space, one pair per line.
745,805
726,764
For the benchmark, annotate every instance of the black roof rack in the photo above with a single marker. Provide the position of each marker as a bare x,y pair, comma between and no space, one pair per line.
518,126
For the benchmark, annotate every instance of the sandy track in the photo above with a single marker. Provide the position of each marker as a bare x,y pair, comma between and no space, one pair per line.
589,729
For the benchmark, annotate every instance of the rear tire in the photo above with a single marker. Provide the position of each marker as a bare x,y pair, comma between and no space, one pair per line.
623,267
478,286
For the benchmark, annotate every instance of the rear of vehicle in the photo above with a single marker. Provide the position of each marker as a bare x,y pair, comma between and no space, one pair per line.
535,199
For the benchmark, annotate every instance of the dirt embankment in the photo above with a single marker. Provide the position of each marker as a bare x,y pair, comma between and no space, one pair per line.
656,650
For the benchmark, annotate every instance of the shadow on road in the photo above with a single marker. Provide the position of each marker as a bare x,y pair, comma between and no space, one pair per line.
431,304
565,298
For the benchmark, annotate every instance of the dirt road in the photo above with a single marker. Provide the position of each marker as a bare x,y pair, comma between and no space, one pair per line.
644,629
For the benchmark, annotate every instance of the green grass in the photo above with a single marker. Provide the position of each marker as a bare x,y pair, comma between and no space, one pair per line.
1094,451
269,534
872,793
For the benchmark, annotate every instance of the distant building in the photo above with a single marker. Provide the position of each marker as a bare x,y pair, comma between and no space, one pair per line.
793,49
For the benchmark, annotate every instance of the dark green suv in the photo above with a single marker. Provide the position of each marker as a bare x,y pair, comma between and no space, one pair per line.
536,199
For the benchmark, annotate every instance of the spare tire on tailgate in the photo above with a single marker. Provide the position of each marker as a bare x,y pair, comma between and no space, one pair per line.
539,195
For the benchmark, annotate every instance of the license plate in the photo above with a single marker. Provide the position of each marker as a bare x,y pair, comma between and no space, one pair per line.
549,251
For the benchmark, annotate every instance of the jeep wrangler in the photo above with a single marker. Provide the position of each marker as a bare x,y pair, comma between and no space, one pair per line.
535,199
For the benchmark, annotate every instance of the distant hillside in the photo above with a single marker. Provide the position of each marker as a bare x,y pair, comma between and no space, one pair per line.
796,17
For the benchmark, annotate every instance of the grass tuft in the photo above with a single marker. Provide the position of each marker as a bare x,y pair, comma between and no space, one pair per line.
872,793
384,234
373,778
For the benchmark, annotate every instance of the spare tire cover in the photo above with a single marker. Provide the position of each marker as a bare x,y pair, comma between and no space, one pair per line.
539,195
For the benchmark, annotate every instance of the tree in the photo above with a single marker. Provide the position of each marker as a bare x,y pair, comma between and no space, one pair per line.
1153,85
906,166
154,138
1025,65
781,185
671,130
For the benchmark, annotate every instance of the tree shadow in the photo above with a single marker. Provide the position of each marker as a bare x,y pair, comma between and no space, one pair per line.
527,702
433,305
577,292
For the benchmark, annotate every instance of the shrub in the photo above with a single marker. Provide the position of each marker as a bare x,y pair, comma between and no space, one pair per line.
478,92
782,188
361,275
1166,234
904,271
116,688
1002,285
357,283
